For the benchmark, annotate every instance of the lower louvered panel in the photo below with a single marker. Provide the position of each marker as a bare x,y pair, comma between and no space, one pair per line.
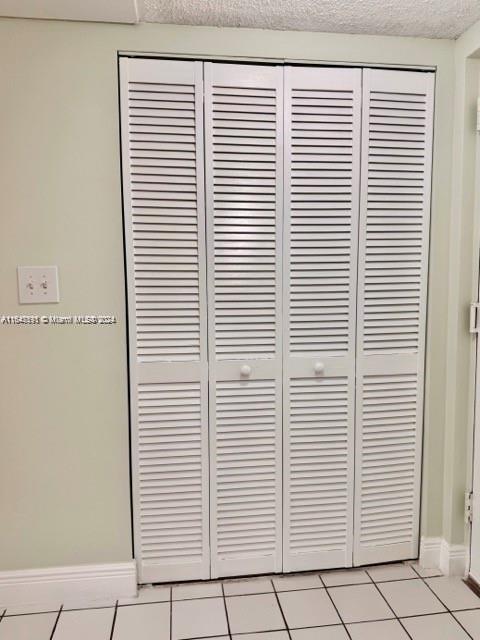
318,474
171,481
246,485
172,500
389,432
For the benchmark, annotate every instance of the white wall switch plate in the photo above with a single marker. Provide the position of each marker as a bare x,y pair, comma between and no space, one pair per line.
37,285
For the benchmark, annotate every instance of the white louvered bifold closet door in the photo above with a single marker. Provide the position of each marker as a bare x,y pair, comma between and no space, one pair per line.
243,144
393,265
163,181
322,173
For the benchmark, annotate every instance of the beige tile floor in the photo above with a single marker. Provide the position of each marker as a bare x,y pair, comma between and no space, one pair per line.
388,602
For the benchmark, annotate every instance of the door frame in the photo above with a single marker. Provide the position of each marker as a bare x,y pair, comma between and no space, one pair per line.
473,485
124,168
474,529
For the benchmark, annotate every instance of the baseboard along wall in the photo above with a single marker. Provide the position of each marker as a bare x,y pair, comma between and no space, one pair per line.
56,584
437,553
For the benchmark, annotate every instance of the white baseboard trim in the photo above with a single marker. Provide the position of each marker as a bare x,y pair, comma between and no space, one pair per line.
56,584
437,553
430,552
453,559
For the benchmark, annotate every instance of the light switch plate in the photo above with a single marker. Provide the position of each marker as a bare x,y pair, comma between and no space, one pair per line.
37,285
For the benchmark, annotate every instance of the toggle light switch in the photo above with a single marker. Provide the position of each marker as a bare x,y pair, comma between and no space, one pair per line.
37,285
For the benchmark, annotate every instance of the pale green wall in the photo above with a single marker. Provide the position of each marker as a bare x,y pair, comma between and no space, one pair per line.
64,485
463,260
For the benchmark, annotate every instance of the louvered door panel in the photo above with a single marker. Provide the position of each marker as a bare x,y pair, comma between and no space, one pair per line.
243,138
246,445
322,157
162,145
392,290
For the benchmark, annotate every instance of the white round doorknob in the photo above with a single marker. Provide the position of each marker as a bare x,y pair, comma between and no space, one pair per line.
319,367
245,370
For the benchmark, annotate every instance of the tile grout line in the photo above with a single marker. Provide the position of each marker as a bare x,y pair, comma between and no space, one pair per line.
171,611
56,621
264,593
226,612
358,584
245,595
281,610
136,604
112,606
56,610
335,607
220,636
443,603
458,622
260,593
388,605
114,620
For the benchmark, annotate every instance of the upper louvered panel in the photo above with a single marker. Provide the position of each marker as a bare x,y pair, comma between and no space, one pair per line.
164,207
321,175
397,211
170,472
246,469
243,189
318,460
390,433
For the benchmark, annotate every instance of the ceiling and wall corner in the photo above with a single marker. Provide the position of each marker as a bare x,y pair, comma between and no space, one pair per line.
422,18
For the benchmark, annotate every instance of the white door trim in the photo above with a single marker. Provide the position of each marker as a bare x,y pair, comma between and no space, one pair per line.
473,570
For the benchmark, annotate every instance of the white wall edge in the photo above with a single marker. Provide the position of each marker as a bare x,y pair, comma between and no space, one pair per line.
437,553
82,582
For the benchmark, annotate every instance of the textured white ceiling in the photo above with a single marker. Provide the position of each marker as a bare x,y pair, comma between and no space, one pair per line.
426,18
